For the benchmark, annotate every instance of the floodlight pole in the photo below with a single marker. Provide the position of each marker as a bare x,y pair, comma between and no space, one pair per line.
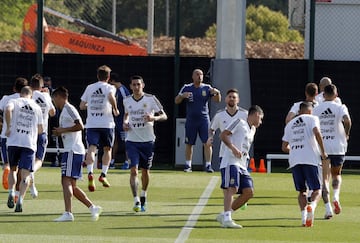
40,37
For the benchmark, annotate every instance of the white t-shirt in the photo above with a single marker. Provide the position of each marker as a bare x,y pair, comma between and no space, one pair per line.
320,98
304,148
3,102
72,140
242,136
43,99
222,119
26,117
141,131
331,115
296,107
99,109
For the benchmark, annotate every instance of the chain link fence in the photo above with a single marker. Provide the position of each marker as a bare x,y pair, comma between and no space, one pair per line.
75,26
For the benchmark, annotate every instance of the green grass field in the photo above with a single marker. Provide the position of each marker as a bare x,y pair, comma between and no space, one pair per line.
176,199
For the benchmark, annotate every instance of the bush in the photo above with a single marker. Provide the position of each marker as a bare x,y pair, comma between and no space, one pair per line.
263,24
134,33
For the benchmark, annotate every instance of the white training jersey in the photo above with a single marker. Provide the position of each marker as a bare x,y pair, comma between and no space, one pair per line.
320,98
26,116
304,148
141,131
222,119
242,136
295,108
72,140
43,99
331,115
3,102
99,109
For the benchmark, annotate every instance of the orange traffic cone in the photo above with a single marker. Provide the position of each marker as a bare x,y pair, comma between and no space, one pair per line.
262,168
252,166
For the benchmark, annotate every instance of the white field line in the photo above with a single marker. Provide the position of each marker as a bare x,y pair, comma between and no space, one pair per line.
193,217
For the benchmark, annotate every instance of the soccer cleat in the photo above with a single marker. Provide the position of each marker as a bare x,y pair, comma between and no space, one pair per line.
33,191
309,217
337,207
125,166
95,212
187,168
143,208
10,202
104,181
5,180
328,215
243,207
18,208
65,217
231,224
137,207
91,185
209,169
220,218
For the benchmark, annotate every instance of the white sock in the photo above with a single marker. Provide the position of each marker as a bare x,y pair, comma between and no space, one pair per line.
11,192
313,206
105,169
227,216
188,163
328,207
143,193
207,163
136,199
336,194
303,216
90,168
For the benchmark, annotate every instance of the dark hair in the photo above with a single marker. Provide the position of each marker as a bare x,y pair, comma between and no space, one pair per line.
306,105
61,91
103,72
36,81
114,77
20,82
136,77
311,89
233,90
330,89
255,108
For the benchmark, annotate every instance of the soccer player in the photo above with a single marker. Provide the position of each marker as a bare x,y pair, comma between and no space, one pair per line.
335,124
121,93
325,81
303,141
235,178
18,85
196,95
223,117
43,99
311,90
70,127
99,101
141,111
24,123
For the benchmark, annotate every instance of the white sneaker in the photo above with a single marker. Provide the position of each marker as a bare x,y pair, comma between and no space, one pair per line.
231,224
95,212
328,215
33,191
220,218
66,217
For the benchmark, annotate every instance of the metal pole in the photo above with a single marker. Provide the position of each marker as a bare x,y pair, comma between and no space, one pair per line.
40,37
176,66
311,42
114,17
167,17
150,26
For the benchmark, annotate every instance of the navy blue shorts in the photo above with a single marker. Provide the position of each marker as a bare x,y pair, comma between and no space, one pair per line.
4,154
71,165
42,143
192,129
337,160
140,154
234,176
306,175
21,157
100,137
